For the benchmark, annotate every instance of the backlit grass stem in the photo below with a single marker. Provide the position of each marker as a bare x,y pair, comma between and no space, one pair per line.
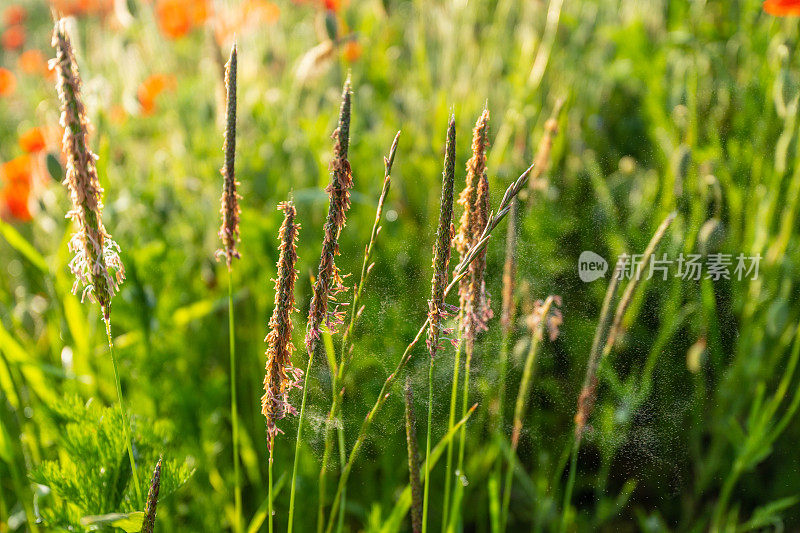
475,308
544,317
436,307
95,263
229,234
606,336
345,354
458,273
328,282
473,197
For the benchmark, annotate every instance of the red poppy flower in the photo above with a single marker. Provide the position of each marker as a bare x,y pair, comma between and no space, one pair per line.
34,62
150,88
32,141
14,14
8,82
13,38
782,8
15,177
176,18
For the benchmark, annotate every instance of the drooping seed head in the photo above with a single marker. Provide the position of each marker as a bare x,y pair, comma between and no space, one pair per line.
444,240
152,500
229,231
96,263
281,377
329,282
542,158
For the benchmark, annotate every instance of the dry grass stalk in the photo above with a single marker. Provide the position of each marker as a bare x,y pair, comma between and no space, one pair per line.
444,239
96,263
413,460
545,317
605,336
542,158
509,272
329,281
281,377
229,231
152,500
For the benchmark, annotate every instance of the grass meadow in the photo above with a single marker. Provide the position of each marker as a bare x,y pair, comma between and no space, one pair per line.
465,377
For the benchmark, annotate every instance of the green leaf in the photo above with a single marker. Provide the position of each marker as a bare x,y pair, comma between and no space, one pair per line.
20,244
768,514
54,167
129,522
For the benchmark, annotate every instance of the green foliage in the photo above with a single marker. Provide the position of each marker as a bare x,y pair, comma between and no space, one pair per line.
670,105
90,483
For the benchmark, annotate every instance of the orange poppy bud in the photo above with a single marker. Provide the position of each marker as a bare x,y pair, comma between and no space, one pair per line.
352,51
35,62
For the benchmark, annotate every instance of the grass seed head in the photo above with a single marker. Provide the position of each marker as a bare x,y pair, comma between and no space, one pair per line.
96,263
329,282
281,377
230,210
152,500
467,229
444,240
475,201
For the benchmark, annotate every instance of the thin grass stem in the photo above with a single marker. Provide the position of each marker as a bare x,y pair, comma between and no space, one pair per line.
270,511
458,274
297,441
237,488
344,355
573,465
448,479
125,422
426,489
528,373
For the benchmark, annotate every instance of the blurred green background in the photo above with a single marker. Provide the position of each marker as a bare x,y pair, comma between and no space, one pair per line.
689,106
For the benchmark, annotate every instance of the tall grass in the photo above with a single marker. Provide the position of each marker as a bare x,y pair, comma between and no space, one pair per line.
345,351
96,263
229,234
458,274
690,412
329,282
437,311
